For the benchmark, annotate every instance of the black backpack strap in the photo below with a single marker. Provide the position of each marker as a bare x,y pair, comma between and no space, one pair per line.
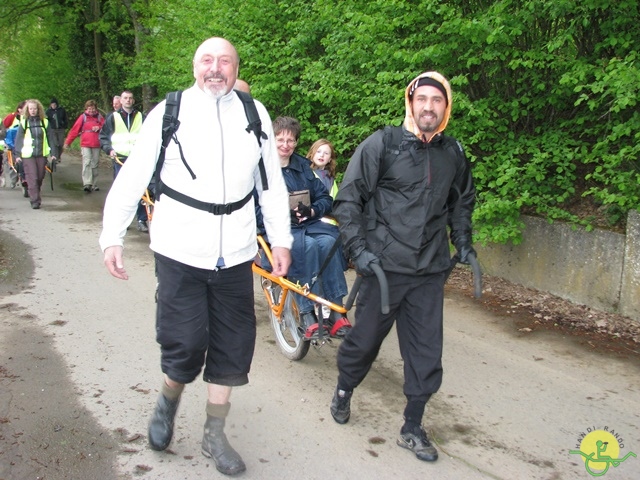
255,126
170,122
214,208
456,150
391,140
170,125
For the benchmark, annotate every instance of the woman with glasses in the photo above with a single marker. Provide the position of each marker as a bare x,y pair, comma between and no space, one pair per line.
313,238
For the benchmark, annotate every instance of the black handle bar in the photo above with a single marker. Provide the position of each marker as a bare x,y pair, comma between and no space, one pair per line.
353,293
384,289
384,286
475,267
477,274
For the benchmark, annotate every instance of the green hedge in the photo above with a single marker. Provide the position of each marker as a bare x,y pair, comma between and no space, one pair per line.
545,91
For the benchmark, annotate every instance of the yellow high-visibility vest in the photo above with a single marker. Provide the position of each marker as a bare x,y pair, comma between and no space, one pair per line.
29,141
123,139
334,187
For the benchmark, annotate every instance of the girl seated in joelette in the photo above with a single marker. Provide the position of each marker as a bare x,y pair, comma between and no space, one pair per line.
323,162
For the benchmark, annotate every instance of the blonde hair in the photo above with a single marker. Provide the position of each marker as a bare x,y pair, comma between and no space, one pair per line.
332,165
38,104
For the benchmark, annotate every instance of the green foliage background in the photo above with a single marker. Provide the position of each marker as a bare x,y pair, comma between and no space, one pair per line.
545,91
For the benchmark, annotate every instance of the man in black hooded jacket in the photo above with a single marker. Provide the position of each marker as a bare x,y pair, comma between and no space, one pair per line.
58,122
394,205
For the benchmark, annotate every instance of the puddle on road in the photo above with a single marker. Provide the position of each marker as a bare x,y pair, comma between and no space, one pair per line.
16,264
73,187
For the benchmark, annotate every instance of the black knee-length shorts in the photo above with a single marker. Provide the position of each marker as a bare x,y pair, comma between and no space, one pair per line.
205,318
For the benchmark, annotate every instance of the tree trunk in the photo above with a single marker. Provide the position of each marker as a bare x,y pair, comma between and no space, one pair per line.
141,33
94,14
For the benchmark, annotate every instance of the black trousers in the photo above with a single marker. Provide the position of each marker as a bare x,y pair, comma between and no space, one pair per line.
416,305
205,317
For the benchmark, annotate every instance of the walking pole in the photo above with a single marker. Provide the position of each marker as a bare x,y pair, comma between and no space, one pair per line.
50,170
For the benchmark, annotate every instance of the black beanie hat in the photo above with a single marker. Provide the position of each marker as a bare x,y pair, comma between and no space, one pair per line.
54,100
432,83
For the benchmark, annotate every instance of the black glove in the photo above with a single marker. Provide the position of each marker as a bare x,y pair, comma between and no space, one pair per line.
464,252
462,242
363,263
304,210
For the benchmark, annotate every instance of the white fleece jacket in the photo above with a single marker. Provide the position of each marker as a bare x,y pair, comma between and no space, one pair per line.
224,158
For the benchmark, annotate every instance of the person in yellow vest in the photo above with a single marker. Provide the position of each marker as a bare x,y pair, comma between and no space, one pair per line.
322,155
32,148
118,136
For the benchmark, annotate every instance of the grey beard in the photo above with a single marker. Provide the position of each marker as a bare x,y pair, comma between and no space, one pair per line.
217,94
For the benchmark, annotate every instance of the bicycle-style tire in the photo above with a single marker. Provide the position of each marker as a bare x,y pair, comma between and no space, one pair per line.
287,332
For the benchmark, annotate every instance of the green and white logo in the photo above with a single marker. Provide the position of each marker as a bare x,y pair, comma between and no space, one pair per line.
600,449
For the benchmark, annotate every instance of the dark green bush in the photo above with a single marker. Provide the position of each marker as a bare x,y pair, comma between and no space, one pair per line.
545,91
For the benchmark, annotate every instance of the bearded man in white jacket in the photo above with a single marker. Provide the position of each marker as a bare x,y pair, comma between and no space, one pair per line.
205,311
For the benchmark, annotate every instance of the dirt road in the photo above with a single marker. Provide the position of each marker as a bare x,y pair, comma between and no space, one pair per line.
79,375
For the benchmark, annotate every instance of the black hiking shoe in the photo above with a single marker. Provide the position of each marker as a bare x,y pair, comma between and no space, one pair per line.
161,424
416,440
341,406
142,226
216,446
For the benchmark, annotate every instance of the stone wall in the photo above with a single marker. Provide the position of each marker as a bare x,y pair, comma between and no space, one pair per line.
599,268
630,291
